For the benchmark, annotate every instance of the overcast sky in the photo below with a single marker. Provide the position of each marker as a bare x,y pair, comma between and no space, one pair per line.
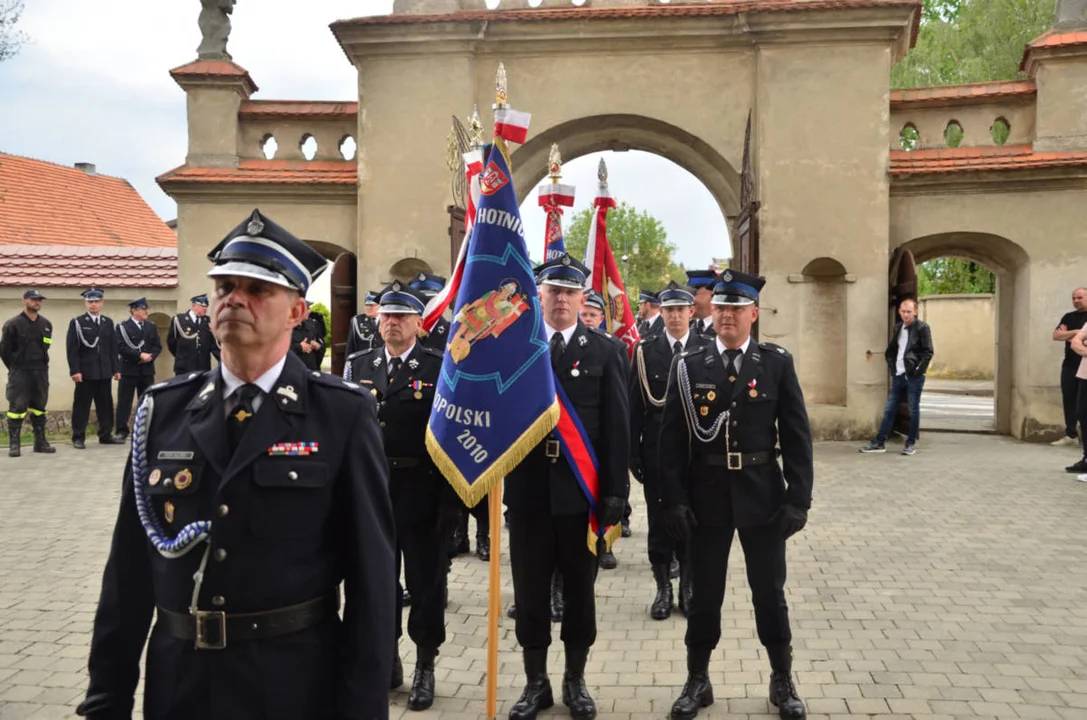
93,86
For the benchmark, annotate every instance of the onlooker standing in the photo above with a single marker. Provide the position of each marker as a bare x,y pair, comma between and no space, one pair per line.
1066,330
138,345
24,350
908,355
93,365
1079,346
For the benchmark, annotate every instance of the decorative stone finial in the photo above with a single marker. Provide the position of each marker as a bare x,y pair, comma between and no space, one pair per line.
214,23
602,173
554,163
500,87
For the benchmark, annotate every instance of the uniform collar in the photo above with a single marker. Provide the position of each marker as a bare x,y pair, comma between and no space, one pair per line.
566,334
743,348
265,382
672,341
403,356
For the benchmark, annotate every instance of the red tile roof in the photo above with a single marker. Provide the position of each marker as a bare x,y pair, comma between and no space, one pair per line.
48,204
80,266
1058,38
270,109
214,69
974,159
276,172
968,94
717,8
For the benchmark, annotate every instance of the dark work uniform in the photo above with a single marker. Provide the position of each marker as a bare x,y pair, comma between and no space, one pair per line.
1070,384
647,393
421,496
286,530
695,473
363,334
191,343
653,326
549,514
308,330
24,350
438,335
92,352
703,327
136,377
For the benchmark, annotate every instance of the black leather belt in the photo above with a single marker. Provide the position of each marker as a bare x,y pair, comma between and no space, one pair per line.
211,628
403,463
738,461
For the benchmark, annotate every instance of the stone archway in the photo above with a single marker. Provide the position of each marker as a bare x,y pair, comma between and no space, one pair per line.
1009,262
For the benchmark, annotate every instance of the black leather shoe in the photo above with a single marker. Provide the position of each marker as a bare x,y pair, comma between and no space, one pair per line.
575,695
537,694
79,445
697,692
511,611
558,604
398,674
1079,467
483,547
782,691
664,601
110,440
422,684
463,546
608,561
626,528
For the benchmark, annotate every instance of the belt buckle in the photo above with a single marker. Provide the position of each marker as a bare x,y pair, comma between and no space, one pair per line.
551,448
735,461
216,621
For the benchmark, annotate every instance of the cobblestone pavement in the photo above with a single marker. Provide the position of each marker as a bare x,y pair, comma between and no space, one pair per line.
947,584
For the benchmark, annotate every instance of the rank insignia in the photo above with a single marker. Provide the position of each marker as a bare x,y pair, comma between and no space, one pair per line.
703,411
288,391
183,479
207,391
377,361
154,477
582,340
711,396
294,449
413,363
242,415
168,509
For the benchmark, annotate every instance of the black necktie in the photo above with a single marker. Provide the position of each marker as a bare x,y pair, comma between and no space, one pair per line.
558,347
241,415
677,348
730,367
394,368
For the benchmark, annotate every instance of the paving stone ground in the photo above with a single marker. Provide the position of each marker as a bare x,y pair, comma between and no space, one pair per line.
947,584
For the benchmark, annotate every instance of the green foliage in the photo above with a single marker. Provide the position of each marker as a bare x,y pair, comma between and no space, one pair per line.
962,41
651,267
11,39
953,276
327,315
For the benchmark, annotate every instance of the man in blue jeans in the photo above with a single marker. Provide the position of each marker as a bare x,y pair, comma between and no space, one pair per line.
908,355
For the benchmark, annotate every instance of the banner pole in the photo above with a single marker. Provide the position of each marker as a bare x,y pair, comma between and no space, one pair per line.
494,599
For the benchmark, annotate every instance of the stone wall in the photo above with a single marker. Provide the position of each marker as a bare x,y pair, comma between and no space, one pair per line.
963,334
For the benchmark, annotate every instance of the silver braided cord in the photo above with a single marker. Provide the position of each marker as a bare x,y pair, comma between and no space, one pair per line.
655,402
82,339
703,434
347,370
181,331
124,336
189,536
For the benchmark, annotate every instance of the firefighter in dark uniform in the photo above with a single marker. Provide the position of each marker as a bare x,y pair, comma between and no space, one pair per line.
548,512
701,283
138,345
363,334
648,383
190,340
430,285
253,491
308,342
649,316
24,350
402,376
93,365
732,406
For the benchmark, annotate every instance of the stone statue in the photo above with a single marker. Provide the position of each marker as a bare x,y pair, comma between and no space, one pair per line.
214,25
1071,14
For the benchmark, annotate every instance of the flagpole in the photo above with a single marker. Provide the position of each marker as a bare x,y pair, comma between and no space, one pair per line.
494,597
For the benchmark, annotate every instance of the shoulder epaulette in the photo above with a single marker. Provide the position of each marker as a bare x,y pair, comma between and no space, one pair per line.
178,381
434,351
649,338
692,351
774,347
359,353
334,381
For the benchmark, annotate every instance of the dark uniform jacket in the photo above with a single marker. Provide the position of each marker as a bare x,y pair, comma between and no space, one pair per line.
191,343
653,326
438,336
292,529
99,361
308,330
363,334
131,340
418,490
24,343
918,348
774,416
654,353
598,393
702,328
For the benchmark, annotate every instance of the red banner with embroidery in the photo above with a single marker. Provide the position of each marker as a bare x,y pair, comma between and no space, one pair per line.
605,278
553,198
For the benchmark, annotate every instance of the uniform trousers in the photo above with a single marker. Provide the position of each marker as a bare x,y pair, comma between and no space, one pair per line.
126,388
539,544
1082,412
662,548
101,393
421,544
27,390
764,555
1069,396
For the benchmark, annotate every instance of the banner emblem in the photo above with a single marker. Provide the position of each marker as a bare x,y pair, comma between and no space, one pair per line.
493,179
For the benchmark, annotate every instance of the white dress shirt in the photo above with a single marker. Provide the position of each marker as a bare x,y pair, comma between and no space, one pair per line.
739,361
566,334
265,382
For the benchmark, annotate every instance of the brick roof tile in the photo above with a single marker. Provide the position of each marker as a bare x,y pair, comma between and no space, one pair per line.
276,172
975,159
55,205
310,109
74,266
968,94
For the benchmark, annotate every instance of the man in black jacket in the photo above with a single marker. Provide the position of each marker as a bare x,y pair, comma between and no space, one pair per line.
138,345
190,340
24,350
93,365
908,355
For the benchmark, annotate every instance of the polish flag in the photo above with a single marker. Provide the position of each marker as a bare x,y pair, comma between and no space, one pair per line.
511,125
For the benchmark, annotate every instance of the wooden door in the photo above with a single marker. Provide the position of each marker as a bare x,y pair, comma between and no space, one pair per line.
747,222
344,306
902,280
456,233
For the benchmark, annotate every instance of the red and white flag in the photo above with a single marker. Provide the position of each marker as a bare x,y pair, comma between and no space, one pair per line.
553,198
605,277
511,125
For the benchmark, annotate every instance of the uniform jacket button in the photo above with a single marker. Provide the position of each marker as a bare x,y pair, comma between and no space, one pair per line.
292,476
220,555
223,510
734,423
218,601
382,423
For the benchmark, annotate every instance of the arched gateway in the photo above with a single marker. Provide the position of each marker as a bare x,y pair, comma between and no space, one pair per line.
804,82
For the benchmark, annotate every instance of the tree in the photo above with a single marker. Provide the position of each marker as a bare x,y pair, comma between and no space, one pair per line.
323,310
640,237
10,38
950,276
962,41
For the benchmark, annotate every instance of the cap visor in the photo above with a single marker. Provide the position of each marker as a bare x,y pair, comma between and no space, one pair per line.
559,282
399,310
249,270
677,303
732,300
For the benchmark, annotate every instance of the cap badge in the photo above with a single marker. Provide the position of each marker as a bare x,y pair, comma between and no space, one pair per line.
255,227
397,287
566,260
727,277
422,277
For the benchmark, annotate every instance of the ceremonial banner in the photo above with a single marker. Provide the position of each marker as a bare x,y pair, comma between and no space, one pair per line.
552,199
495,398
605,278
